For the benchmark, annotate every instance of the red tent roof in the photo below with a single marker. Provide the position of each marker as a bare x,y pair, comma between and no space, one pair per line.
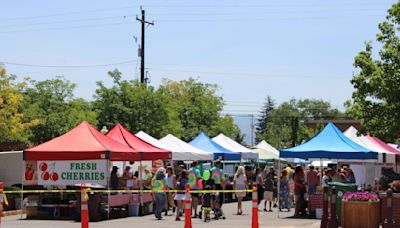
382,144
148,151
83,142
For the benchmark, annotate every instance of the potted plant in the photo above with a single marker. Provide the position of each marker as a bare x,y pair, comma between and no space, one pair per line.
360,209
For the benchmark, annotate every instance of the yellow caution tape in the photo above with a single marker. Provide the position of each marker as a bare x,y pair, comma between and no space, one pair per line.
4,196
88,190
85,193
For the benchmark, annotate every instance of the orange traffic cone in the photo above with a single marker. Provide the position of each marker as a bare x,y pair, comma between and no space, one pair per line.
188,209
84,208
254,217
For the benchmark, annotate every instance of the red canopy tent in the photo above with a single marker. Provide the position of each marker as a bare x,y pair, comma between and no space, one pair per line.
83,142
147,151
383,145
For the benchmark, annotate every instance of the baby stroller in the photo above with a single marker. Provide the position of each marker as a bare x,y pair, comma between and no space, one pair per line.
218,212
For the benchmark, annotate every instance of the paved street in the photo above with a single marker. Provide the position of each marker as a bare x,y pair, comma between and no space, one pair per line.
269,219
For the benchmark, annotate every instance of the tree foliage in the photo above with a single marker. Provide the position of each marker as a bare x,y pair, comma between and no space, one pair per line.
285,125
376,99
262,121
53,104
13,126
198,108
136,106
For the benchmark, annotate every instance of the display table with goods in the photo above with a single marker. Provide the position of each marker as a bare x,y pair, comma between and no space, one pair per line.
360,209
50,206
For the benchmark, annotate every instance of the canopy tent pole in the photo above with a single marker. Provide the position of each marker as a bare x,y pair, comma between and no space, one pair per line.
22,186
108,187
279,184
322,172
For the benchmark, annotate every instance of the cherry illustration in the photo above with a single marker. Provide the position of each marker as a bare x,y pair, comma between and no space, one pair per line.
54,176
43,166
45,176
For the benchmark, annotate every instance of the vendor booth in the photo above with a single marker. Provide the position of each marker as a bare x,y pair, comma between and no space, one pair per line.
147,152
80,156
330,143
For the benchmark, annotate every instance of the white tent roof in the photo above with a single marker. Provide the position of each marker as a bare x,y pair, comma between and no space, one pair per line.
363,141
182,151
234,146
265,146
153,141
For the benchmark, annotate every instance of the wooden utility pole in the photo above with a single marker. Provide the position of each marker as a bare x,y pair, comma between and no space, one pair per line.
143,22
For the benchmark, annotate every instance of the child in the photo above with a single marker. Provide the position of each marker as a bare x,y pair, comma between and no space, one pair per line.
268,192
206,205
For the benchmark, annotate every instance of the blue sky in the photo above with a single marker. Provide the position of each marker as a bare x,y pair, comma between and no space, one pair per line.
286,49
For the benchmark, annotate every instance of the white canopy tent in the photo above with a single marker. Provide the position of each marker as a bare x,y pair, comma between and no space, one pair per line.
153,141
266,146
234,146
183,151
363,141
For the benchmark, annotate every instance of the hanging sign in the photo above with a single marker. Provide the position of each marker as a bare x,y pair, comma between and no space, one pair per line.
72,172
30,173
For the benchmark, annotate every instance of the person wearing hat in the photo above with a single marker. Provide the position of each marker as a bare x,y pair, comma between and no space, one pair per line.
114,179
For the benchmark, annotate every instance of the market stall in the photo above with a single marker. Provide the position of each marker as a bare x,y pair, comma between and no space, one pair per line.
183,151
79,156
147,152
330,143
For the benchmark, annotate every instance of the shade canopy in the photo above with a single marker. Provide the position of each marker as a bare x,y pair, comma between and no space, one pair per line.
232,145
383,145
329,143
183,151
367,141
83,142
153,141
266,146
265,155
147,151
202,141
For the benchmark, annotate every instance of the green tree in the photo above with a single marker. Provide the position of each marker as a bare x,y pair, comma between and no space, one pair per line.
376,99
263,120
198,108
286,123
136,106
14,129
53,104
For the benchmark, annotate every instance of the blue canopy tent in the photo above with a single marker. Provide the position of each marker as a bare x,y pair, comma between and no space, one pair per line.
202,141
330,143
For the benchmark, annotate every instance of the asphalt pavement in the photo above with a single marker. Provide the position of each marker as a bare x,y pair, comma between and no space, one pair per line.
266,219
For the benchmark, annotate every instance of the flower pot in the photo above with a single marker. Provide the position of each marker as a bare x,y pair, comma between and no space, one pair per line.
357,214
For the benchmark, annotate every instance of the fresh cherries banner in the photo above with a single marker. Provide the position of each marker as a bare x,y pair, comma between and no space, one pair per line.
72,172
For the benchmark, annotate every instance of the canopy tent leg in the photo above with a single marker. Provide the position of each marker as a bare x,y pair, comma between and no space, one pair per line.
279,184
108,187
22,187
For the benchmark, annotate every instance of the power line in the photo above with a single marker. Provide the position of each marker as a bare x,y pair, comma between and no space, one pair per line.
67,66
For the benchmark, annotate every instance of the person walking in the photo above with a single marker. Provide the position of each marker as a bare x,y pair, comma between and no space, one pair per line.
312,180
260,185
217,174
268,192
240,183
171,181
299,191
284,200
159,183
194,176
180,196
